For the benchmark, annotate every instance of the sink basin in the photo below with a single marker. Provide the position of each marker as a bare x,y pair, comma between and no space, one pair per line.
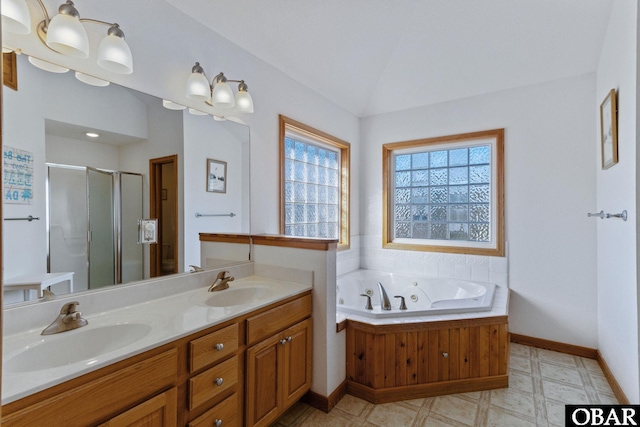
74,346
237,296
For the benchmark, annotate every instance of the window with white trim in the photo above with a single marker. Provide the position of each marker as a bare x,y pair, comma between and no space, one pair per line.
315,183
445,194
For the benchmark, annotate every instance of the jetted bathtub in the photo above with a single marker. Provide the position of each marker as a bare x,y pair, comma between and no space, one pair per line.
423,295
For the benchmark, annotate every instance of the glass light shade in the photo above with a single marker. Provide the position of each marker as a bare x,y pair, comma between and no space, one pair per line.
198,87
197,112
222,96
68,36
172,105
90,80
15,16
114,55
244,102
47,66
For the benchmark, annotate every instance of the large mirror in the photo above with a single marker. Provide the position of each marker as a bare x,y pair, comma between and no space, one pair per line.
86,194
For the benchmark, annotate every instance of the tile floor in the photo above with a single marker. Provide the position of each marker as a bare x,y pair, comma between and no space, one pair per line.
541,382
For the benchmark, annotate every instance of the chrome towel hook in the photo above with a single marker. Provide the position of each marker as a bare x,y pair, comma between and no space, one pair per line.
622,215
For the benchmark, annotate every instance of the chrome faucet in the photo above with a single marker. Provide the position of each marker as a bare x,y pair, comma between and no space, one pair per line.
67,320
385,304
221,282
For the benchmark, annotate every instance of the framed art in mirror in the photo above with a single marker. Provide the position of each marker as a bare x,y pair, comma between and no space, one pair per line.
216,176
609,130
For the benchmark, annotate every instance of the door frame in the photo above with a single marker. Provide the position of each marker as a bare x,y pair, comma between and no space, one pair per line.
155,210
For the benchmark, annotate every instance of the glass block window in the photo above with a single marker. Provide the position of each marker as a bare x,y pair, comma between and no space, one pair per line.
446,195
315,184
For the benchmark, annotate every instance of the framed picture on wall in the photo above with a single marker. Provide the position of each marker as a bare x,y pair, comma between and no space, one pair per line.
609,130
216,176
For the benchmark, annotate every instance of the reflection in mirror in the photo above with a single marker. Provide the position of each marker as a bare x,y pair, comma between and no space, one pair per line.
90,192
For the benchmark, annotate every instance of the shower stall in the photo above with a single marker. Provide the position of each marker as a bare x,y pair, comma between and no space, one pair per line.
92,224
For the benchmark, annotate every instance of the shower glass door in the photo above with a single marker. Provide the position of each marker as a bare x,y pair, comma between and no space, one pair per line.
131,260
101,228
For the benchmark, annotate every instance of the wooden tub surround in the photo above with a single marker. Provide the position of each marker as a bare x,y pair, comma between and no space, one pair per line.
387,363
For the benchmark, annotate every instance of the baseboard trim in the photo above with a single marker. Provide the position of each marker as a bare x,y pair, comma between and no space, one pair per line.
324,403
576,350
419,391
617,390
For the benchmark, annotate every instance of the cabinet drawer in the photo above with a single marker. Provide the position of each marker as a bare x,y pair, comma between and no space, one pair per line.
92,402
275,320
209,349
225,411
212,382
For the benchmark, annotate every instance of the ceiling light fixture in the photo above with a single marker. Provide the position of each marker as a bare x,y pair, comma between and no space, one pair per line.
66,34
218,93
92,134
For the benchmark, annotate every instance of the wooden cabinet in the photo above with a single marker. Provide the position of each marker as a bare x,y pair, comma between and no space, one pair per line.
278,373
159,411
81,403
198,380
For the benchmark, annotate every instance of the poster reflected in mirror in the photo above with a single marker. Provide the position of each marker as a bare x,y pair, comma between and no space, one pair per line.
609,130
216,176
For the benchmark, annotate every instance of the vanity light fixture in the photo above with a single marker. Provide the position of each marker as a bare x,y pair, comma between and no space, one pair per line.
15,16
218,93
47,66
66,34
172,105
90,80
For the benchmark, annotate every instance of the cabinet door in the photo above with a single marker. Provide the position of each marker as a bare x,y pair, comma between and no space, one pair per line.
159,411
297,364
262,397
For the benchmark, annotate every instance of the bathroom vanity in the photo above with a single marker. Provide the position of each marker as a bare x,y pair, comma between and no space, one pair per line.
246,367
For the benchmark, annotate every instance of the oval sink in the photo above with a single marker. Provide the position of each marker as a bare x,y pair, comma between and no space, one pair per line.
74,346
237,296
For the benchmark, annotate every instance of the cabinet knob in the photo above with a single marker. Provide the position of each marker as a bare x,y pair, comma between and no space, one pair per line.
219,346
445,355
219,381
286,340
217,423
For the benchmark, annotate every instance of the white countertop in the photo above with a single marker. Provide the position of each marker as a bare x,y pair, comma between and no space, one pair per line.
170,318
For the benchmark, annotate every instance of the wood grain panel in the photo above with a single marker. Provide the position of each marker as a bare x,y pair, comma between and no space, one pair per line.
203,351
203,387
277,319
159,411
464,353
390,360
403,360
113,391
225,411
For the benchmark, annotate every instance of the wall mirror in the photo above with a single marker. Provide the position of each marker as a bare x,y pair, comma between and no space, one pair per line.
89,192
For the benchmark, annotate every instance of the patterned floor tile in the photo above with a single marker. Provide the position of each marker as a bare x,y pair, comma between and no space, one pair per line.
541,383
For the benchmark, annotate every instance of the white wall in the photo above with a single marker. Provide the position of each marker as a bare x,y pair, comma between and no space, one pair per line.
208,139
549,181
617,190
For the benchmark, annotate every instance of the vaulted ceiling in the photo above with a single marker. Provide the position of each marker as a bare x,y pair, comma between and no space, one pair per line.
376,56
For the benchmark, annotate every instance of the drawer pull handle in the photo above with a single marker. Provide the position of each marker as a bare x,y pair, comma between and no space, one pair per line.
219,381
218,423
286,340
219,346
